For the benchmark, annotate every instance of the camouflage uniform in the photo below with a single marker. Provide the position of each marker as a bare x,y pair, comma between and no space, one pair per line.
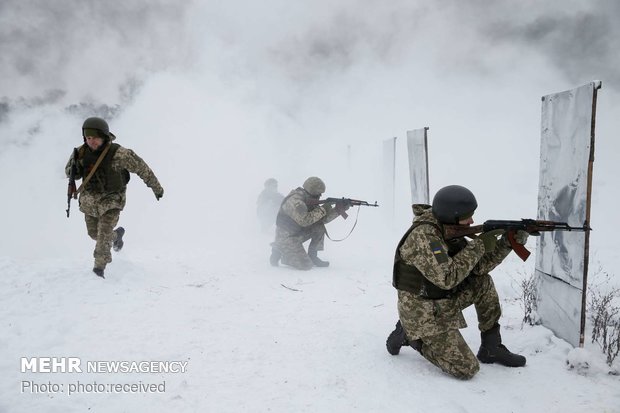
104,196
267,206
296,223
461,268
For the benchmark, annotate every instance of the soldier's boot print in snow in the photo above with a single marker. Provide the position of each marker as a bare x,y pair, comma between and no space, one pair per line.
493,351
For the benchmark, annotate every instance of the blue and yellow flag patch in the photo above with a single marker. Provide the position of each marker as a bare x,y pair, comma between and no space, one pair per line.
438,252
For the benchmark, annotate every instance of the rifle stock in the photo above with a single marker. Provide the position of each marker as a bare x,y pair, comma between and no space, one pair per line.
531,226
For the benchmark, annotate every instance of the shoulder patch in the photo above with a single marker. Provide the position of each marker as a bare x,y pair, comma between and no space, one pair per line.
438,252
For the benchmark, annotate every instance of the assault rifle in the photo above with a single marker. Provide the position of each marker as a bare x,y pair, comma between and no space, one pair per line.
341,203
72,189
531,226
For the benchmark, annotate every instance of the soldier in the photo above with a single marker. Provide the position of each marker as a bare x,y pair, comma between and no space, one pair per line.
437,278
301,219
268,204
104,167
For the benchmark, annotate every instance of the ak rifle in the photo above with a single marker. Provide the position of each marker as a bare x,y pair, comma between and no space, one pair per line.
531,226
72,189
340,204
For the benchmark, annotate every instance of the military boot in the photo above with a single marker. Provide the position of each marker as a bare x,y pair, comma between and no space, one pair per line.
493,351
396,340
316,260
99,272
118,243
274,259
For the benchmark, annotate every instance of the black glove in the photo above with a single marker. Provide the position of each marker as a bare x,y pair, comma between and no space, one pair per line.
159,193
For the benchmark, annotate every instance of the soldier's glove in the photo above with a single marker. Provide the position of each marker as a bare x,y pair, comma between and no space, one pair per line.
159,193
489,239
521,237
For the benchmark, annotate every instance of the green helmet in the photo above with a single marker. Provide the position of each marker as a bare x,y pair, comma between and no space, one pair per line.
454,203
99,125
314,186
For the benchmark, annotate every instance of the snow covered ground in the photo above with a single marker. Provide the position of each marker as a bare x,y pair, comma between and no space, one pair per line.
258,338
219,96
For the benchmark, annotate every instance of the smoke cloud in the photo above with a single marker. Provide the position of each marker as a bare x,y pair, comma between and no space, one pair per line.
219,96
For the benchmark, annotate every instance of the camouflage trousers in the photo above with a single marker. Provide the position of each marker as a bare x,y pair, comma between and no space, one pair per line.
101,229
448,350
292,249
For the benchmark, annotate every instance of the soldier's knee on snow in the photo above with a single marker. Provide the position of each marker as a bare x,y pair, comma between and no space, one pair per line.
466,372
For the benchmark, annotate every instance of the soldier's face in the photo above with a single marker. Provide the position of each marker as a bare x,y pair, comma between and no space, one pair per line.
94,142
467,221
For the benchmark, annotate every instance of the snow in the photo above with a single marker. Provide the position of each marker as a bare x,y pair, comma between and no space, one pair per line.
218,104
258,338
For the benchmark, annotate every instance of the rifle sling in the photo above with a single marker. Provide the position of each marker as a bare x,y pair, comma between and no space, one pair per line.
92,171
351,231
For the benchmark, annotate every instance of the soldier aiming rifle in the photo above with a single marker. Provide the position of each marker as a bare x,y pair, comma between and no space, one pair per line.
302,217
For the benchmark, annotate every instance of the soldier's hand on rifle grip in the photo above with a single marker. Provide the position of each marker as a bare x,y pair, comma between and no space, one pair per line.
516,241
343,206
521,237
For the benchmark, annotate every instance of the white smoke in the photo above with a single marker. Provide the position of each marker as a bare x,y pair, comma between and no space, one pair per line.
219,96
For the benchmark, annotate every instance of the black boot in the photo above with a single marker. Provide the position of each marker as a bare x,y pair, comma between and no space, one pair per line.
98,271
118,242
316,260
274,259
493,351
396,340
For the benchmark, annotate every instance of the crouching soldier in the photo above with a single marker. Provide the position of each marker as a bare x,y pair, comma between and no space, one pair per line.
437,278
300,219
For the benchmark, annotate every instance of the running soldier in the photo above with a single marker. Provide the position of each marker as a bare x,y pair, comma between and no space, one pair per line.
104,168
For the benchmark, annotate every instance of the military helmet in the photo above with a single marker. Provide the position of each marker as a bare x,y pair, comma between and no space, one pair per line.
454,203
271,183
314,186
100,125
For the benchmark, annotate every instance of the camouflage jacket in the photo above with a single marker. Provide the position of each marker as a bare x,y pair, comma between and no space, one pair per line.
442,265
295,214
268,202
96,203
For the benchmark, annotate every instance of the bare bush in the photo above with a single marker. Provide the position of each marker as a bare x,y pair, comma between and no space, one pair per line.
604,314
528,295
